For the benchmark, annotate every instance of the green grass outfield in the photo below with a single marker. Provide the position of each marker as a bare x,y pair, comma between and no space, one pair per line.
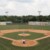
16,36
43,45
23,26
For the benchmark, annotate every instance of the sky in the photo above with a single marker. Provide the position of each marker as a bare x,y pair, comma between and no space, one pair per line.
24,7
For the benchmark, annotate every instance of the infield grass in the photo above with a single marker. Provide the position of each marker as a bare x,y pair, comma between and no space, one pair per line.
16,36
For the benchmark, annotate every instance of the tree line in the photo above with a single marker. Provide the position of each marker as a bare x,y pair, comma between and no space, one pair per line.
25,19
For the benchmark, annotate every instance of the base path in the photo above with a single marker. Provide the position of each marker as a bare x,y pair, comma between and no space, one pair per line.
28,41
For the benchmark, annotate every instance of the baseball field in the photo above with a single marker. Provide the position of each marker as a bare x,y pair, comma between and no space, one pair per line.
36,37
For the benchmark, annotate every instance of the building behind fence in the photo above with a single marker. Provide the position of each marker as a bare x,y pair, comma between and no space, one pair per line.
39,23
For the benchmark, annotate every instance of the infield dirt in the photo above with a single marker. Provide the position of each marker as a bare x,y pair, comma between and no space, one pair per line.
28,41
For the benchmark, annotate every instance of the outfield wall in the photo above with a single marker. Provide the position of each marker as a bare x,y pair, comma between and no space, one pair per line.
2,23
39,23
5,23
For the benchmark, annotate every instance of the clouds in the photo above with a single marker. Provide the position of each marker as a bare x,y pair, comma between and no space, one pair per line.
11,5
23,1
25,7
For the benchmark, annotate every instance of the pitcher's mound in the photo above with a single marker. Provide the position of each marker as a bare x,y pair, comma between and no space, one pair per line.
24,34
28,43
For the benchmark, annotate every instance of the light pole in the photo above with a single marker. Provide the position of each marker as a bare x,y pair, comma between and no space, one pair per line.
6,13
39,12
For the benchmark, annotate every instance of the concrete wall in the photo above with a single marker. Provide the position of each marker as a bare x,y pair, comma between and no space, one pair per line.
39,23
5,23
2,23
